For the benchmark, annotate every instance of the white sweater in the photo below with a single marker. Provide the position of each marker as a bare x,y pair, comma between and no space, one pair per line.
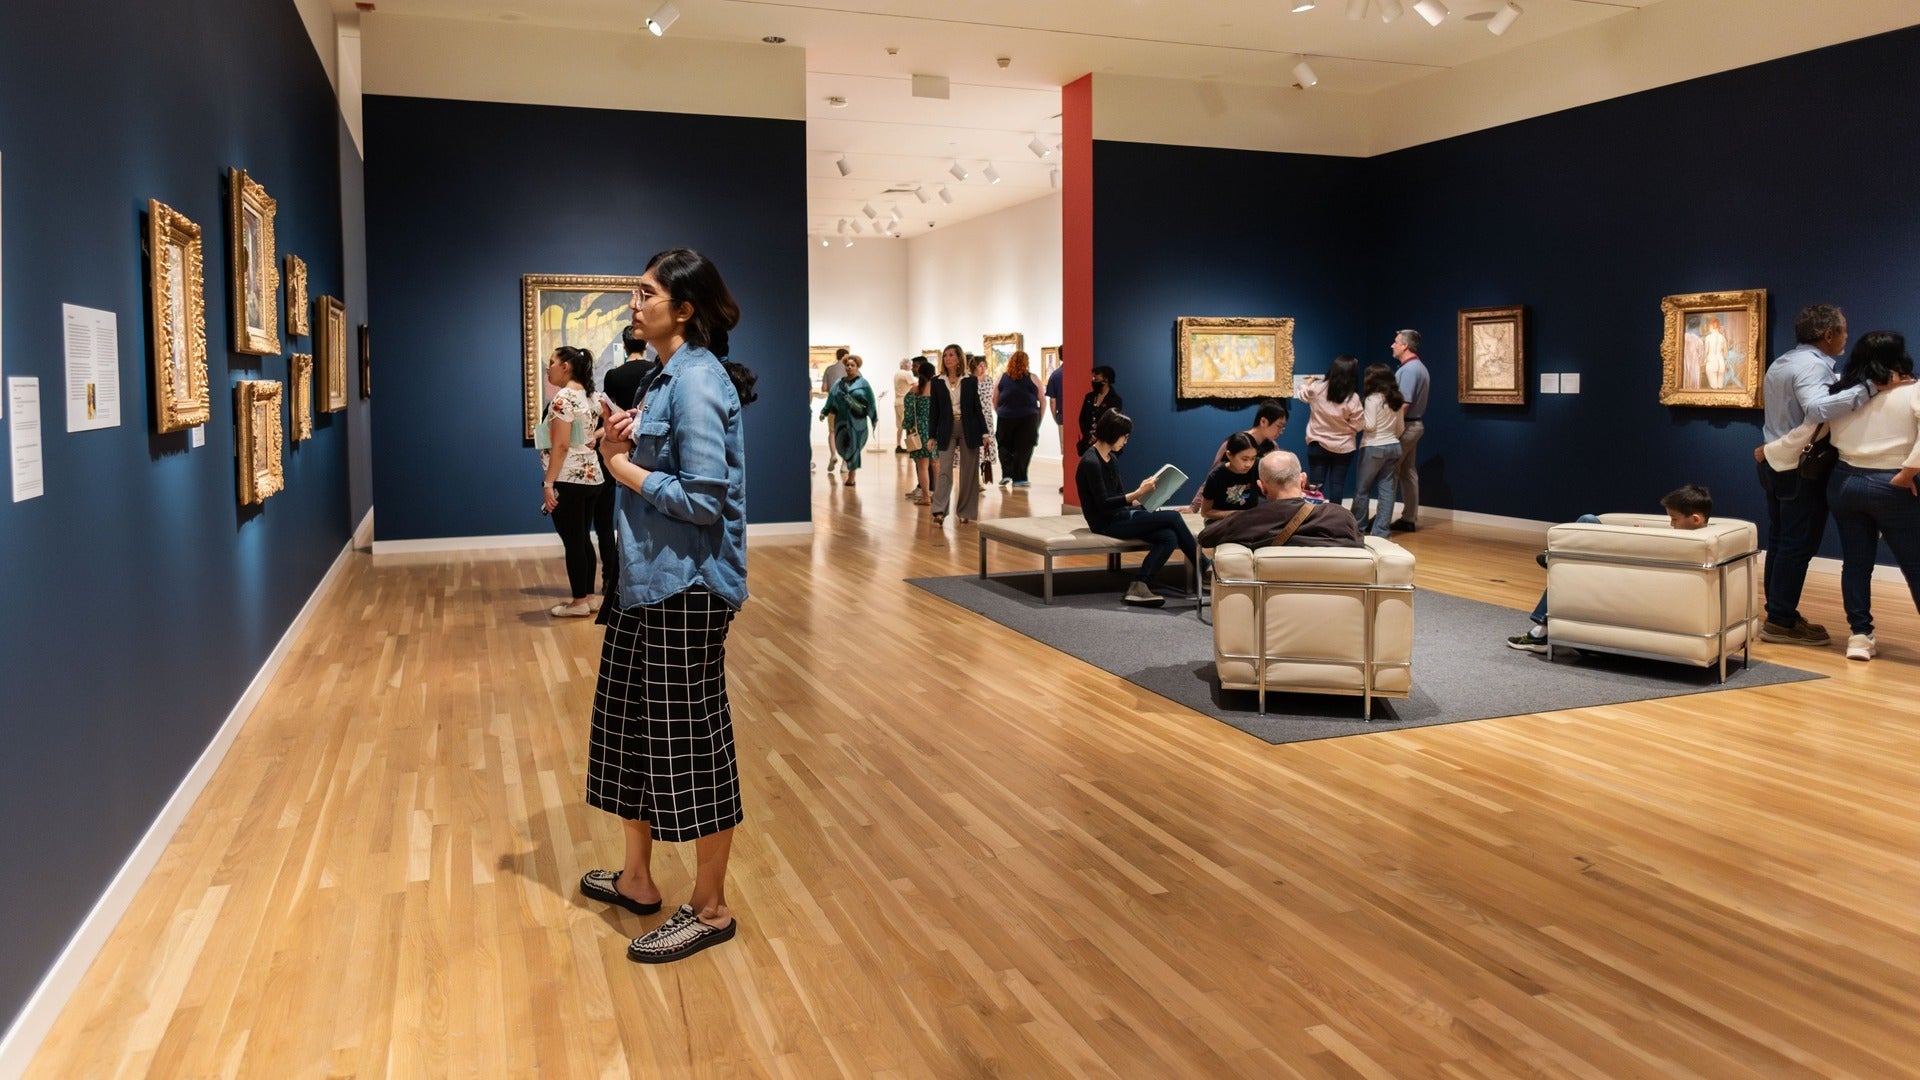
1882,434
1382,426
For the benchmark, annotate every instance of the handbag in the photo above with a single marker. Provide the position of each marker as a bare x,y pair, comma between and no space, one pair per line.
912,441
1818,458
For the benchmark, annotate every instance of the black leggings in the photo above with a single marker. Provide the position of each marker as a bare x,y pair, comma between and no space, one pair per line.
1017,436
579,507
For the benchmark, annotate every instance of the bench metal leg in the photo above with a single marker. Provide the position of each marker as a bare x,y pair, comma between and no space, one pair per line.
983,558
1046,580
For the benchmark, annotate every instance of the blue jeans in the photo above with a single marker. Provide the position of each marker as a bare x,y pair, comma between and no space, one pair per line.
1164,529
1539,615
1796,516
1866,509
1376,471
1329,471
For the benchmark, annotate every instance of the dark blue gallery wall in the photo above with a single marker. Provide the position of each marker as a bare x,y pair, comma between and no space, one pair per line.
463,198
358,416
138,597
1796,176
1267,235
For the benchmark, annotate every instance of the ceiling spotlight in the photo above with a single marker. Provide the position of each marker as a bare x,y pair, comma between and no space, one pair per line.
894,212
1391,10
843,226
920,192
1433,11
856,224
1039,146
1506,17
1356,10
1302,5
872,214
841,164
824,242
849,242
658,23
945,195
1304,76
1053,177
992,174
958,170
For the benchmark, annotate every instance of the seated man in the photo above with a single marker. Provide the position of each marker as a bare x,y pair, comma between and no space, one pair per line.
1287,516
1687,507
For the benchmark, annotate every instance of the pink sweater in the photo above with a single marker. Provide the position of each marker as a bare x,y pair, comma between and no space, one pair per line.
1332,426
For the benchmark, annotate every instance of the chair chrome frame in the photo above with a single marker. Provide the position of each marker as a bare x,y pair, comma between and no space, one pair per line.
1719,636
1369,667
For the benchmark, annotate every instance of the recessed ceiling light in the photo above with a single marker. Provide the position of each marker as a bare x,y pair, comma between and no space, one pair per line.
774,39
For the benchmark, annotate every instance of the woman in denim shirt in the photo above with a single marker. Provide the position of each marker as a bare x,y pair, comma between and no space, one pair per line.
662,756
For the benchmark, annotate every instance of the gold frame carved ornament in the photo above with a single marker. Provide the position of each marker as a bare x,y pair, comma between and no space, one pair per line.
179,322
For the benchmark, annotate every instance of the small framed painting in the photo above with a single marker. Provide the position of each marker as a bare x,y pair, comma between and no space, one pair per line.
1233,358
300,377
257,439
176,287
1049,362
297,325
254,273
331,343
999,349
1493,365
1713,352
819,359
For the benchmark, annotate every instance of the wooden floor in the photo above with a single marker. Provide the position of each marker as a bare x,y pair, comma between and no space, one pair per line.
968,855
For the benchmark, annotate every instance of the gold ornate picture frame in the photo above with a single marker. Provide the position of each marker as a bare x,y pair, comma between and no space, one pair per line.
1233,358
253,272
584,311
330,342
999,349
300,406
176,279
297,324
257,439
1493,355
1714,351
1049,361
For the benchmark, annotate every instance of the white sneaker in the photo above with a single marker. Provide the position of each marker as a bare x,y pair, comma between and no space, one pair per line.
1860,647
570,611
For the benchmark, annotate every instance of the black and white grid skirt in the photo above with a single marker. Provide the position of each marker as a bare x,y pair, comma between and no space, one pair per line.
662,748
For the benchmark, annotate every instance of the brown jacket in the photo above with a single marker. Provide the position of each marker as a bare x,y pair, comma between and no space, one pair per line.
1330,525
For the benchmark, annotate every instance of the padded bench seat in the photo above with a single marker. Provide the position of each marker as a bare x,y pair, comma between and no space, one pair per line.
1062,534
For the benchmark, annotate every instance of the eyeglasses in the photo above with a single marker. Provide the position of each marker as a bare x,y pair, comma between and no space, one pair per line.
641,299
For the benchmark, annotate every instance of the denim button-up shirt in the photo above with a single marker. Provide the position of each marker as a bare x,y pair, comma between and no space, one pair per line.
687,525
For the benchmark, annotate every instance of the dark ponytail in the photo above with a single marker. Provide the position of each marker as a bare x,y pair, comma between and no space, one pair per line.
579,365
688,277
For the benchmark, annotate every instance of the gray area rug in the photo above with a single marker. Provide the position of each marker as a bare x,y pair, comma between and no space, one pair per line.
1462,668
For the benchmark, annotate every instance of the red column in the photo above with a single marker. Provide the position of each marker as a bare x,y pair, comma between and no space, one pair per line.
1076,129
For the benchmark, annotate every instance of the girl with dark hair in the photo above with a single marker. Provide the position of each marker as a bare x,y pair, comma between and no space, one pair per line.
574,490
918,419
1113,511
1233,484
1103,398
1335,415
661,756
959,430
1382,421
1872,493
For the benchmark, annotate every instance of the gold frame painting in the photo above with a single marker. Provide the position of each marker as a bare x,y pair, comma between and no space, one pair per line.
1714,351
1233,358
1493,355
300,376
176,281
999,350
330,342
588,312
297,324
257,439
1049,359
819,359
253,273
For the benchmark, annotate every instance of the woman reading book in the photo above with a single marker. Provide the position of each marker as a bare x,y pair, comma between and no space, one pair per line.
1114,511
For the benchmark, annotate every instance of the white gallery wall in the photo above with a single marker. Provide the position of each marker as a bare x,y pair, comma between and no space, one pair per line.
857,297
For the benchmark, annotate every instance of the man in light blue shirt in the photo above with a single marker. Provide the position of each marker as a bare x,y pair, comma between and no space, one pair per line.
1414,384
1795,391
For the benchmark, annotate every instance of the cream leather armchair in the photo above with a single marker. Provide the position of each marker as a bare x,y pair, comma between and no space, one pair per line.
1314,620
1637,586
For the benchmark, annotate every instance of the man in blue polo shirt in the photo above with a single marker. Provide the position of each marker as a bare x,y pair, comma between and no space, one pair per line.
1413,386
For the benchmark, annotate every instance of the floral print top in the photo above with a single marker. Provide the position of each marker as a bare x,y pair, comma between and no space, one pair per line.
582,465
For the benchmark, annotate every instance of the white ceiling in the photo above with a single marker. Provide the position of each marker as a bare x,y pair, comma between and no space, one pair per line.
867,51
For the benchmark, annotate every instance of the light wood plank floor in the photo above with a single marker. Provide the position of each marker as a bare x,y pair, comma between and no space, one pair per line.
968,855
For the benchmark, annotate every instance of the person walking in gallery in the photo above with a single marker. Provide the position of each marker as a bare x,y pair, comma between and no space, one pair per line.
1112,510
573,487
1381,427
959,430
1057,400
1103,398
852,406
977,367
833,374
1872,493
903,381
1269,423
1016,403
1233,485
661,753
1335,414
1795,390
1414,384
1285,516
918,418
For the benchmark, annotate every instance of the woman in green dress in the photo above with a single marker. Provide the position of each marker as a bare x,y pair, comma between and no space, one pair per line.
851,400
918,421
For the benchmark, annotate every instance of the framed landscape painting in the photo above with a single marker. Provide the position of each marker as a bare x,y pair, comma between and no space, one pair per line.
253,271
1233,358
257,441
1713,351
1493,365
569,309
178,317
999,349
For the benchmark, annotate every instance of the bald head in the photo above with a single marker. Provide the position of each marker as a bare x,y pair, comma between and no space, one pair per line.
1280,475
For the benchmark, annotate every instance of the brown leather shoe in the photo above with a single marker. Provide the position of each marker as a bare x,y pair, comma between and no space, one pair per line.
1800,633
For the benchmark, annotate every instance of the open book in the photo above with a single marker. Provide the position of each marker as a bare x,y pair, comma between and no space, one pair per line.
1166,483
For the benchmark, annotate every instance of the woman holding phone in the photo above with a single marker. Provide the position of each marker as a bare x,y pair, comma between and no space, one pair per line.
662,754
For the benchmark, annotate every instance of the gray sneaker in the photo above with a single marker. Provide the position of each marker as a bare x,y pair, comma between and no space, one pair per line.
1140,593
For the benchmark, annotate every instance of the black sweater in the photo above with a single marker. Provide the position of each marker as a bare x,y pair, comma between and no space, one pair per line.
1101,497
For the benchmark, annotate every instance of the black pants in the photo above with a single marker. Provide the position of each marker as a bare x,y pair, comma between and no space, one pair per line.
1018,436
1796,518
580,507
1164,529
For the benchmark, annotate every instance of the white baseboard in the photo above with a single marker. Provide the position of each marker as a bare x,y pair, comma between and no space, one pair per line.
363,532
550,542
1820,565
30,1028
